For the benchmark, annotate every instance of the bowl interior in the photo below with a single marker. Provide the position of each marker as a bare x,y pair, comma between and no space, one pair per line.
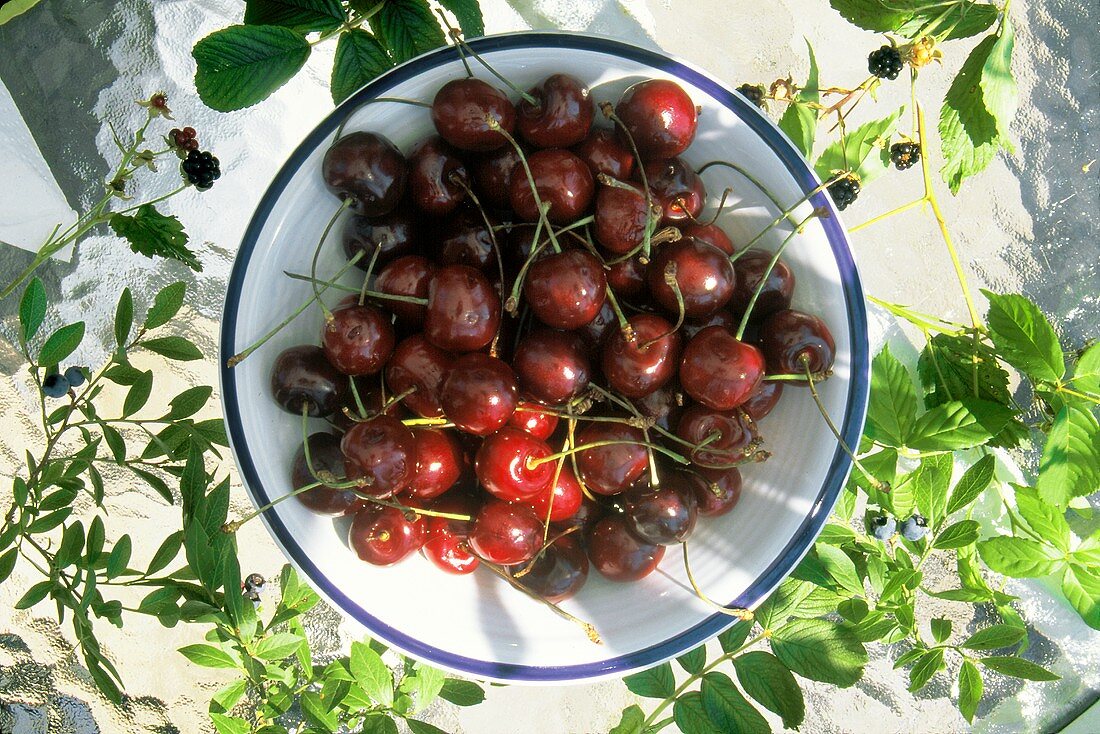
478,625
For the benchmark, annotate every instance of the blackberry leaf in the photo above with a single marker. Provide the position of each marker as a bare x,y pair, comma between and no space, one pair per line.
408,27
151,233
359,58
299,15
860,151
241,65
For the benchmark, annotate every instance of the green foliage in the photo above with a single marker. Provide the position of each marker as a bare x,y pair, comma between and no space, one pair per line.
15,8
241,65
862,151
154,234
359,58
799,120
298,15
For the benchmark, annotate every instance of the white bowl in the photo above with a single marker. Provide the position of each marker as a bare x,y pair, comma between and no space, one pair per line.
476,624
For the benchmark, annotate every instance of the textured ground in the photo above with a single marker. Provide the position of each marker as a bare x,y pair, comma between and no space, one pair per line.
1027,224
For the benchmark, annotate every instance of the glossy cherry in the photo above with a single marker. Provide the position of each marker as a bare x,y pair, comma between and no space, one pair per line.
506,532
358,339
664,405
479,393
793,340
721,317
446,545
587,515
664,514
562,180
466,240
437,176
533,418
620,218
604,153
611,468
410,276
566,494
369,391
617,554
393,235
461,110
777,290
720,371
637,368
440,462
303,376
717,491
493,174
417,363
566,290
327,460
382,455
677,189
628,278
552,366
712,234
659,116
505,465
594,332
763,400
562,113
368,169
560,572
728,435
463,309
703,274
382,536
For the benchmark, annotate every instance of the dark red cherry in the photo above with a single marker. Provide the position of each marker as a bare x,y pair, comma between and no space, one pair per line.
465,240
461,110
677,189
479,393
587,515
777,290
661,515
446,545
417,363
506,532
594,331
370,395
561,116
763,400
562,180
792,340
566,495
720,371
610,469
406,276
639,367
566,290
728,435
617,554
393,235
560,572
493,174
328,461
717,490
664,405
603,153
712,234
368,169
463,309
358,339
533,418
628,278
703,274
303,376
440,462
659,116
383,536
504,465
437,176
552,366
620,218
383,451
721,317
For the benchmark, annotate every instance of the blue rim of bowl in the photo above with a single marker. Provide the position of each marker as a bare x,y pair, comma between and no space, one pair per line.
852,422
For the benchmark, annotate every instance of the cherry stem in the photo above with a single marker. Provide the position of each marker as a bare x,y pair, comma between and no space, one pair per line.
494,125
317,254
412,512
876,484
671,282
721,205
609,112
355,397
397,100
535,463
634,422
537,245
545,545
366,276
738,612
236,359
624,325
456,36
589,630
457,180
352,289
751,178
668,234
786,213
767,274
818,376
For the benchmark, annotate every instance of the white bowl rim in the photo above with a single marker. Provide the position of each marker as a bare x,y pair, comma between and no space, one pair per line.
851,425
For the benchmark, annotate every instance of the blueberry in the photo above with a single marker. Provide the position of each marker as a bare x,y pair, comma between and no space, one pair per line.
75,376
882,526
55,386
914,528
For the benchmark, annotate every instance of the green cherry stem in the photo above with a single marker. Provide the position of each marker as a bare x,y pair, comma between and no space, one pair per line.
352,289
738,612
534,463
543,209
589,630
345,204
651,222
768,271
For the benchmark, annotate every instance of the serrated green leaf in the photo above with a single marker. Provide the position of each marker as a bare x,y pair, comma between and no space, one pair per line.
32,307
1046,520
862,151
1070,465
189,402
1086,373
166,304
151,233
138,394
970,690
241,65
299,15
931,482
727,708
631,722
208,656
468,15
959,424
769,682
359,58
971,484
853,610
1024,337
994,637
959,535
423,727
734,637
1017,668
840,567
1082,589
173,347
1018,557
61,344
691,716
925,667
918,18
408,28
656,682
229,724
892,410
693,661
776,609
799,120
371,673
820,650
462,692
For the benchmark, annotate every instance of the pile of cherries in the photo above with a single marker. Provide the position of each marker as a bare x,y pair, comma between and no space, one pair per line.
541,345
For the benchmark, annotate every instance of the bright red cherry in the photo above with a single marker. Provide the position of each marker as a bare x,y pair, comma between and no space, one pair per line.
566,290
560,572
368,169
611,468
661,515
506,532
383,452
603,153
703,274
393,235
383,536
728,436
621,216
637,368
618,555
461,110
358,339
303,377
505,465
447,539
439,462
479,394
534,419
717,490
565,492
561,116
327,460
406,276
463,309
677,188
562,180
793,340
417,363
659,116
438,178
552,366
776,292
763,400
712,234
720,371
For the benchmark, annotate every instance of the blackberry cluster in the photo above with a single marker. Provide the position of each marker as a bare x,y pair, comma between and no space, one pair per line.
185,139
885,63
201,169
754,93
905,155
844,191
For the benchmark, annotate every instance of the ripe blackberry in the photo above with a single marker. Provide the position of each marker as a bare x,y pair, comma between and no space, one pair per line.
885,63
905,155
55,385
754,92
201,169
844,191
